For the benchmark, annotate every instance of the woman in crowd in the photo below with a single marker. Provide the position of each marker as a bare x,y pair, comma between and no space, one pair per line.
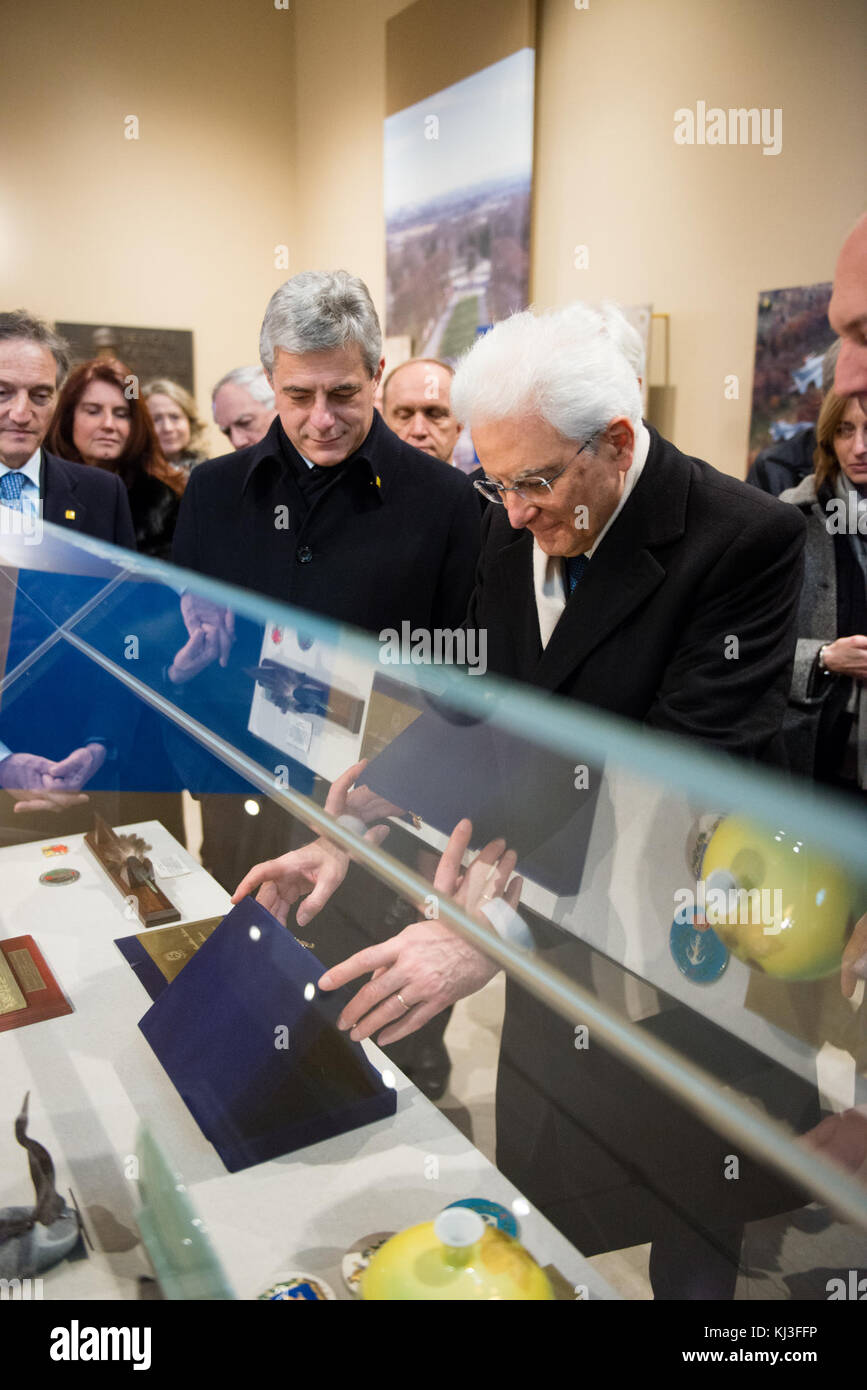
826,723
178,428
99,422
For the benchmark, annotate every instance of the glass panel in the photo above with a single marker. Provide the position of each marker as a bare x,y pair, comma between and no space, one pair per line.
680,1092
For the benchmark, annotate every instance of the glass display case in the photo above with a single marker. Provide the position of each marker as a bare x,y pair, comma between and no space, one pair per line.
633,968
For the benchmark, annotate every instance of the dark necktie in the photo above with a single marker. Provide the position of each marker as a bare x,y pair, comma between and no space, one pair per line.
575,567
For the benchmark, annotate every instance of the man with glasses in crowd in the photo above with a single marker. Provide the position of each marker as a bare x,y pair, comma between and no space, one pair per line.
673,558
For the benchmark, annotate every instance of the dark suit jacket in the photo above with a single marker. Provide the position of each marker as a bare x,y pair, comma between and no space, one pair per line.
365,553
85,499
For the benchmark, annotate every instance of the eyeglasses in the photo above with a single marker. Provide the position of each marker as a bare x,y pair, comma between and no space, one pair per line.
529,489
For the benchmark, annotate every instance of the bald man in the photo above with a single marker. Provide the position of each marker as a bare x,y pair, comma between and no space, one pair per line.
416,405
847,313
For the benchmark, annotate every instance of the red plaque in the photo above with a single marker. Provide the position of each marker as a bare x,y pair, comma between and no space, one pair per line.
29,992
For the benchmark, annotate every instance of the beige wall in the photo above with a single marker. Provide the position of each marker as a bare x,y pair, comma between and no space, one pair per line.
696,231
340,88
261,126
176,229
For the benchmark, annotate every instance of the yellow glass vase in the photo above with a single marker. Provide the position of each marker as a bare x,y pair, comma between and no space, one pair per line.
457,1256
776,903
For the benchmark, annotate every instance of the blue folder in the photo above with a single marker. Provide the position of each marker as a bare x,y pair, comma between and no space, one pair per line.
447,765
262,1069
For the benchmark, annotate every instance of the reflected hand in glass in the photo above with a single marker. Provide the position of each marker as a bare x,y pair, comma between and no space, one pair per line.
842,1138
854,958
317,869
43,785
427,966
211,629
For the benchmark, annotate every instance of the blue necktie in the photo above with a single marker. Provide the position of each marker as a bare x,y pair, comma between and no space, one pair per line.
11,487
575,567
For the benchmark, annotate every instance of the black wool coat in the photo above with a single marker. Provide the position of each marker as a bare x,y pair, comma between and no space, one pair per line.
694,559
395,537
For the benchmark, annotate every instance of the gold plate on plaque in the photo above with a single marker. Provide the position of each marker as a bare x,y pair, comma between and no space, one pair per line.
27,970
171,947
11,998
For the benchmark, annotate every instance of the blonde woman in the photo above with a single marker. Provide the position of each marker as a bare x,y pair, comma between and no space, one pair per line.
178,428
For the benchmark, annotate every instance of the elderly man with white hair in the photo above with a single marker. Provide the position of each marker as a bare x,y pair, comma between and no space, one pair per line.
615,571
672,557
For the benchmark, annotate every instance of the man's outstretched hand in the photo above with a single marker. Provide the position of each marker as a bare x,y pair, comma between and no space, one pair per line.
427,965
316,870
854,965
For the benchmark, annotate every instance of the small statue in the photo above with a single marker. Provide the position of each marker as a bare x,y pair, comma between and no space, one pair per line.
35,1238
127,855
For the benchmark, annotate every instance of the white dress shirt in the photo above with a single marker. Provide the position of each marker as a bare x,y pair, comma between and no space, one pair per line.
548,580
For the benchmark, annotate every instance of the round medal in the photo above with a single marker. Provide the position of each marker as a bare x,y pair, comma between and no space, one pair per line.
698,952
492,1213
56,878
356,1260
299,1288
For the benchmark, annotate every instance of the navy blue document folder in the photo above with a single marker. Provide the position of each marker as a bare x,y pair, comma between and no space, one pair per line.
263,1070
447,765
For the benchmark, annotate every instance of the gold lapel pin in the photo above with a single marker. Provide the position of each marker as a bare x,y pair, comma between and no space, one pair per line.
69,516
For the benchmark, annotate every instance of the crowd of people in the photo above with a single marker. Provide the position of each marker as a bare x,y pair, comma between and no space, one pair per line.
607,567
153,442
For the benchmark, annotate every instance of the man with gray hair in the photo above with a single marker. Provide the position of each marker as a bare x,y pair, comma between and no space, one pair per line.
243,406
330,511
